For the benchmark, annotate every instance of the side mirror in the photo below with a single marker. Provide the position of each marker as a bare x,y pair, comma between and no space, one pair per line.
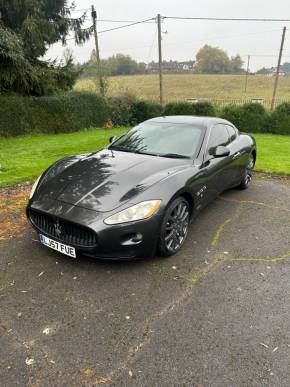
113,139
221,151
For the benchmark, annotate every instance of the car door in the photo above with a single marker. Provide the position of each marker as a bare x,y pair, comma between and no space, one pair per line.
238,154
216,170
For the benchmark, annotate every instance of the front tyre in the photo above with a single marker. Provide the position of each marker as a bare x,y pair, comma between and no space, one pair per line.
174,228
248,173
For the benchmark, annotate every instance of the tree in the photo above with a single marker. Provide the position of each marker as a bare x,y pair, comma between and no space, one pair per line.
236,65
263,71
16,72
35,25
286,67
213,60
118,64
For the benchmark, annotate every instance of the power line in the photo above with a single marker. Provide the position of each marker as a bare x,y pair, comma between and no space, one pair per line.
126,26
226,19
122,21
152,45
212,37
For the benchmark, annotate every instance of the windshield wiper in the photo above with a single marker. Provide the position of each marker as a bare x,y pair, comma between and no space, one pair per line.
117,148
174,156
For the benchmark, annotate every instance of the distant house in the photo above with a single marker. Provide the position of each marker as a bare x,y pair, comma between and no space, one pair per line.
271,72
172,67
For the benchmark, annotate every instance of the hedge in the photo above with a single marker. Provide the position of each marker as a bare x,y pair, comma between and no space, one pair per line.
54,114
251,117
74,111
187,108
128,111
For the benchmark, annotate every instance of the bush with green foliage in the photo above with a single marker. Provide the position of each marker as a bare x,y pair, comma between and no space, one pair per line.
144,110
54,114
121,110
279,120
251,117
128,111
187,108
71,112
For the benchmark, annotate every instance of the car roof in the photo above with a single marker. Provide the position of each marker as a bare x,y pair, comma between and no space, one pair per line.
193,120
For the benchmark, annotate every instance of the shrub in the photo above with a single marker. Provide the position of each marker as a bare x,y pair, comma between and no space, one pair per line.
204,109
121,110
187,108
178,109
128,111
279,120
250,117
62,113
254,117
143,110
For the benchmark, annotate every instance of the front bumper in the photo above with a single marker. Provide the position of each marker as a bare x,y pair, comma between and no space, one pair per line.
119,242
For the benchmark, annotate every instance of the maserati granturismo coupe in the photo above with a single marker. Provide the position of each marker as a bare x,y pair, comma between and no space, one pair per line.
136,197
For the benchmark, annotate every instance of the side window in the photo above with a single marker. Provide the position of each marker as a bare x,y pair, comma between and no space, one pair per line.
219,136
232,132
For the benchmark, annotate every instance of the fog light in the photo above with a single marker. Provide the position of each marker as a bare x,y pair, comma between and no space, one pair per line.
137,238
132,239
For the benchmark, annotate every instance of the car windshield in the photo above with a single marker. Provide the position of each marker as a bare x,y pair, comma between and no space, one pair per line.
161,139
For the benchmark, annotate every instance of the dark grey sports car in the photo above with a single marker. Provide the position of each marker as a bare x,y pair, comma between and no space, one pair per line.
137,196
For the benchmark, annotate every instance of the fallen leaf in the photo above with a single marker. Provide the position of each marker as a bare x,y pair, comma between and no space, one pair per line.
29,361
264,345
46,331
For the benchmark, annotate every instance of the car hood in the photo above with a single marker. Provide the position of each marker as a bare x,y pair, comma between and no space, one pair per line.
107,179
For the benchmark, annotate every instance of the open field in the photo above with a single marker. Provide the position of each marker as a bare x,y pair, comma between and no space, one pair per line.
24,158
183,86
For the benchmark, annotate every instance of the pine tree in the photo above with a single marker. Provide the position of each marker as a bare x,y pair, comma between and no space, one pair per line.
28,28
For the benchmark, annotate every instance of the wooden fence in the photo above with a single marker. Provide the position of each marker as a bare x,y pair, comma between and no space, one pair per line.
238,101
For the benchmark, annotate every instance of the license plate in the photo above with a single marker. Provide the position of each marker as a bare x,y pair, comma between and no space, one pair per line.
64,249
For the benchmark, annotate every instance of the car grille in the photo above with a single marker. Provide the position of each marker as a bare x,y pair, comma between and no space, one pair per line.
63,230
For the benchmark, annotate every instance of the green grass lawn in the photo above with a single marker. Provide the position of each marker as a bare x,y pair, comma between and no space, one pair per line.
273,154
24,158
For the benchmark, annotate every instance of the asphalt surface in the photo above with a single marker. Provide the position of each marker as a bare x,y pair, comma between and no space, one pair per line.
217,314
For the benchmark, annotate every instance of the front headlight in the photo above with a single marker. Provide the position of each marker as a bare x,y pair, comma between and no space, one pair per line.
34,187
139,211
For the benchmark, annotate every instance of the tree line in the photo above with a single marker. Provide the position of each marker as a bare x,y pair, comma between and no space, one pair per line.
209,60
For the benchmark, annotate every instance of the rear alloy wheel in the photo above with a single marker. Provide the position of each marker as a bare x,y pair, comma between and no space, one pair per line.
174,228
248,173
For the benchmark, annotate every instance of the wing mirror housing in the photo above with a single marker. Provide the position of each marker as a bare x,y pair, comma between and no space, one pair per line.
113,139
221,151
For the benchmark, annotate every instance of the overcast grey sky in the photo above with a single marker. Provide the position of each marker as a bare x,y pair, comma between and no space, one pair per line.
184,38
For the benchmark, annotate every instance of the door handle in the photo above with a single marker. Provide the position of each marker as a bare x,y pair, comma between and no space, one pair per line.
237,155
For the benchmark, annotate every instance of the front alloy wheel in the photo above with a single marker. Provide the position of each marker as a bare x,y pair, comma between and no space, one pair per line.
248,173
174,227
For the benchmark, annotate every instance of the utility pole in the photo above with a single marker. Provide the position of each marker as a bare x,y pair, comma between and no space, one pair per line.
101,81
160,59
278,69
247,74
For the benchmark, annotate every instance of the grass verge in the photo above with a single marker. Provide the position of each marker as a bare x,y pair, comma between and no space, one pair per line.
24,158
273,154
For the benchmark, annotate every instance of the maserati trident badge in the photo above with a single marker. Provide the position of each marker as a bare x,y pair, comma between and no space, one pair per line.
57,228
